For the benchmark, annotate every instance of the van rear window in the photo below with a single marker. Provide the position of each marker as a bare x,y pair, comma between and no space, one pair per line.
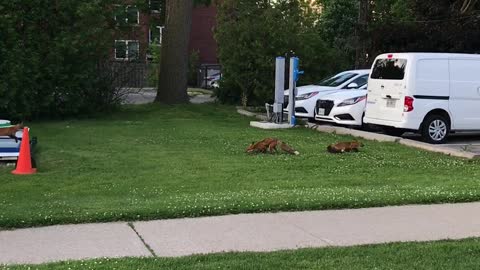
389,69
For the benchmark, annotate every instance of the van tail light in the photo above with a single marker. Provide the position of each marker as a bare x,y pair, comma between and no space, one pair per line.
408,104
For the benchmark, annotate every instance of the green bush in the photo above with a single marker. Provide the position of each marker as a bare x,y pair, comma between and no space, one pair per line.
52,54
251,34
154,66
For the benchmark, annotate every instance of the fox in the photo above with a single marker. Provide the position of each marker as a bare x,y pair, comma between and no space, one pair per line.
343,147
270,145
11,131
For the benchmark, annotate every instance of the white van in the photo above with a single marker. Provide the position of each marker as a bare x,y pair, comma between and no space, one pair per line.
432,93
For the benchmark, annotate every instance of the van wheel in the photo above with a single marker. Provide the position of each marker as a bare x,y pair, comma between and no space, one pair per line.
397,132
435,129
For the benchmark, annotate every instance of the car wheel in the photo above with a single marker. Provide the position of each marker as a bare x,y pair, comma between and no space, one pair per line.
397,132
435,129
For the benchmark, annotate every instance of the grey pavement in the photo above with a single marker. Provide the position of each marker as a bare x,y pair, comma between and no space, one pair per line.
246,232
148,96
140,97
463,141
70,242
200,99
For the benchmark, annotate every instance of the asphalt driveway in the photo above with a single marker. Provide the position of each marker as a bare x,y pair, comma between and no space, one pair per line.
468,141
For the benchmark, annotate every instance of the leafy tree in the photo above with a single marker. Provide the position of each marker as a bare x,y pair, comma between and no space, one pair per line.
339,25
421,25
401,25
250,34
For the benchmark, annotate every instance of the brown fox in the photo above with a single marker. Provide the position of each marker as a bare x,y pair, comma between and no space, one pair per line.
270,145
343,147
11,131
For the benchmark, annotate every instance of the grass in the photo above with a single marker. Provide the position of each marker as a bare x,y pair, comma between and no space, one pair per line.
153,162
435,256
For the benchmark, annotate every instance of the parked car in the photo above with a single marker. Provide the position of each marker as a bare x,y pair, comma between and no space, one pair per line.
308,95
216,84
430,93
343,107
213,80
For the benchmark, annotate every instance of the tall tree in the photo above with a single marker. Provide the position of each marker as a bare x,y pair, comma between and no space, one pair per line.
172,85
250,34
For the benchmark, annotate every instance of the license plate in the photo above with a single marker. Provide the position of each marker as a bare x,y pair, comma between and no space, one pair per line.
391,103
321,111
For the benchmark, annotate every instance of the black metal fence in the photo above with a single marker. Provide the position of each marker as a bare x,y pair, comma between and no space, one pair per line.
132,74
136,74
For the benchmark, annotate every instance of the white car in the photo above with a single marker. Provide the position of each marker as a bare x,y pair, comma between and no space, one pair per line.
343,108
307,96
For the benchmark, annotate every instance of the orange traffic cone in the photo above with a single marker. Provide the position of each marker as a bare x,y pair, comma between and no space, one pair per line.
24,163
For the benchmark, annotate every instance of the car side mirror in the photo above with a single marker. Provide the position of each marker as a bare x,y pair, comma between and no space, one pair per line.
352,86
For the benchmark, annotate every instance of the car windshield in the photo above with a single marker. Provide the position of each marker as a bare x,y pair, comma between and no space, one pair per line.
337,80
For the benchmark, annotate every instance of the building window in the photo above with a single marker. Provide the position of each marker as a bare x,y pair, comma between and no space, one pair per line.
127,15
133,15
156,6
156,34
127,49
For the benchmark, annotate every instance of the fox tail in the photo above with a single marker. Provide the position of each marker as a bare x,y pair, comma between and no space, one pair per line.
285,147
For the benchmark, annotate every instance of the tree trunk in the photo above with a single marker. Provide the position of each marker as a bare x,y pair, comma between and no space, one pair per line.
172,84
361,60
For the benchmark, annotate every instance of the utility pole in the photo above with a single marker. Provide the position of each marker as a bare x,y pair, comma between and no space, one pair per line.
361,33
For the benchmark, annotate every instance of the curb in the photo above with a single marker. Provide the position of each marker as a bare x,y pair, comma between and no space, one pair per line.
268,125
386,138
356,133
439,149
251,114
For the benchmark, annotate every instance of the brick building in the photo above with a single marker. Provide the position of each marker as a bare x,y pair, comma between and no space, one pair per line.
141,29
201,37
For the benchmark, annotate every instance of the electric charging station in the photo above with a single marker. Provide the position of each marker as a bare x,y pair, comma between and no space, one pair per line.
276,120
294,76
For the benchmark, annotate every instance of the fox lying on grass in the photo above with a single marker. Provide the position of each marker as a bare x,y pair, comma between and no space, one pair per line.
270,145
11,131
343,147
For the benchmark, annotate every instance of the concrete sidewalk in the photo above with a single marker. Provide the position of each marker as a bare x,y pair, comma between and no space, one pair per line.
249,232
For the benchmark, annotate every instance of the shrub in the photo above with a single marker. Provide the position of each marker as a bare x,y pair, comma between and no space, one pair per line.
154,66
52,55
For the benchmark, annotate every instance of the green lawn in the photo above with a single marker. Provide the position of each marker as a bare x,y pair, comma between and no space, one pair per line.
153,161
446,255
